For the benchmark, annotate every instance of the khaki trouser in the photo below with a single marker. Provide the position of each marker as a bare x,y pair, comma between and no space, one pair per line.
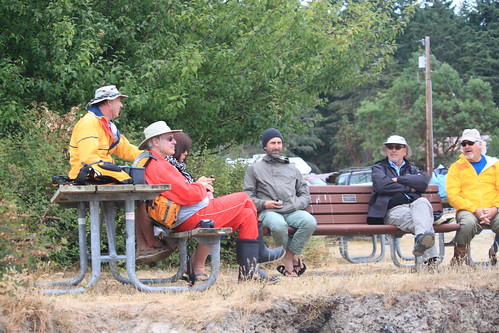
416,218
470,227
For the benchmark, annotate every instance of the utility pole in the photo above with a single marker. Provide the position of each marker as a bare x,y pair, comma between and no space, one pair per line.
429,109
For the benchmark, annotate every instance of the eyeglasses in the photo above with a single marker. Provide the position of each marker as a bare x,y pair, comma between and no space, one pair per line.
392,146
469,143
168,138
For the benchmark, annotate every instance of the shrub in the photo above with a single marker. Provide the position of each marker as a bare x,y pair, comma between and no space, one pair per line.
35,229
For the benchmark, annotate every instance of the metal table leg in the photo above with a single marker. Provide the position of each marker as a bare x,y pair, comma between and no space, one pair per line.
82,242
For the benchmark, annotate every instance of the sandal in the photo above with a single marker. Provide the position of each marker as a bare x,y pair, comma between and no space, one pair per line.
282,269
190,276
298,268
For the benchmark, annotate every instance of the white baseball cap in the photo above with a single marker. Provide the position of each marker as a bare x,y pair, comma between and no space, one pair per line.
472,135
396,139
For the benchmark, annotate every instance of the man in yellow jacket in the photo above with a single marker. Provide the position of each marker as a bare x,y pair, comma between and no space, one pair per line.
473,190
96,138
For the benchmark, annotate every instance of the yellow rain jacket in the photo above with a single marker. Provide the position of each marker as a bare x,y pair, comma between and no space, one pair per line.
468,191
93,140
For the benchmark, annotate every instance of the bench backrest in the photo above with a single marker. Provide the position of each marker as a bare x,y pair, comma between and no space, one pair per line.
347,204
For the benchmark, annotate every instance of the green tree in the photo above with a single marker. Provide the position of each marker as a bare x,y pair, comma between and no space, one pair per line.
220,69
402,110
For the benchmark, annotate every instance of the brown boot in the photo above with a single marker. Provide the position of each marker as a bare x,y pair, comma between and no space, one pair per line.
459,255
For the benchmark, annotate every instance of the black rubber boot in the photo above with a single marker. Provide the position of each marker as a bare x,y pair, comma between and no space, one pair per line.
266,254
246,255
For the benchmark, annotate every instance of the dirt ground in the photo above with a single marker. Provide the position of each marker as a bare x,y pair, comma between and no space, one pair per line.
332,296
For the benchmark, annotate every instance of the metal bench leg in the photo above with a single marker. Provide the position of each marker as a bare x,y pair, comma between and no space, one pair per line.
214,243
362,259
396,253
82,237
472,263
182,248
130,260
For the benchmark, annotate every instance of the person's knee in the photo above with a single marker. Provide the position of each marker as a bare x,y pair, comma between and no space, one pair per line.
309,224
467,227
277,226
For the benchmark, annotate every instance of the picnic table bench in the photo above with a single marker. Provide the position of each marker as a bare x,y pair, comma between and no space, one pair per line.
341,210
102,201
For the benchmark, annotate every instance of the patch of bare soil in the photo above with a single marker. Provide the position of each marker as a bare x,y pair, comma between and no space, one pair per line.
332,296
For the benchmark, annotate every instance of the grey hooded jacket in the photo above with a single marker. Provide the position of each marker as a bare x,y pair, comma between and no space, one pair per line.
276,179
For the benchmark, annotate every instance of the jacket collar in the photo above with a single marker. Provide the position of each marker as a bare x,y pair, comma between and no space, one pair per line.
105,125
280,159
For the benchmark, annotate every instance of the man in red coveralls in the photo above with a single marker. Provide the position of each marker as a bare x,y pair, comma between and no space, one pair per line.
235,210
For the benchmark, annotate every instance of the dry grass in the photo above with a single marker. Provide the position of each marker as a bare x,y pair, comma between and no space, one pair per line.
327,274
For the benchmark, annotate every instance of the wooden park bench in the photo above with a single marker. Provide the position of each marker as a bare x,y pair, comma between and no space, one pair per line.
341,210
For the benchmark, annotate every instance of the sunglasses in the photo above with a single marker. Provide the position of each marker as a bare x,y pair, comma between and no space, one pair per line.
168,138
392,146
469,143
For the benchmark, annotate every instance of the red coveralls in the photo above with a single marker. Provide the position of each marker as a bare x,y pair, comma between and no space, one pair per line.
235,210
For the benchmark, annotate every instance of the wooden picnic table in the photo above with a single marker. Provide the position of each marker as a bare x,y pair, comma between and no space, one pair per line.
103,200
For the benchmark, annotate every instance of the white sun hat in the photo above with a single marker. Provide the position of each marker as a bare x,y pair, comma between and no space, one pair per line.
153,130
105,93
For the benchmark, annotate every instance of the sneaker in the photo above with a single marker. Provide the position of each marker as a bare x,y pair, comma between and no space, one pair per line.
423,242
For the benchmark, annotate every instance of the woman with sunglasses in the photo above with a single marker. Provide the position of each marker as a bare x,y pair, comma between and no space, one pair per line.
396,198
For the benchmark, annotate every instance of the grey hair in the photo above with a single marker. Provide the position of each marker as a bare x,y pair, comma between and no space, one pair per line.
149,143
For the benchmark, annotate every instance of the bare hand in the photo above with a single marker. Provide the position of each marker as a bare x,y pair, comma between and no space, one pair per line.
482,215
488,214
271,204
207,183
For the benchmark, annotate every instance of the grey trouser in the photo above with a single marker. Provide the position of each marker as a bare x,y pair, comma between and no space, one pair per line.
416,218
470,227
302,221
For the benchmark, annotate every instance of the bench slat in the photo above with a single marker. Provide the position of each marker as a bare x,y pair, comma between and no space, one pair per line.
351,198
329,209
360,229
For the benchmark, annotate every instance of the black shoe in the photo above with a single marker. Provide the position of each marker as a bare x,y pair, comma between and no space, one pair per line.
431,264
268,278
189,274
423,243
492,256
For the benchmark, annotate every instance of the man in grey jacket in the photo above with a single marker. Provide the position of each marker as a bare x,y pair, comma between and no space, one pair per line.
281,194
